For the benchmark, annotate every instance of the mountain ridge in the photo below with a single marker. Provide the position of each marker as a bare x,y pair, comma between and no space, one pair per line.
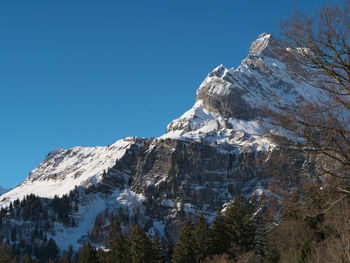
215,151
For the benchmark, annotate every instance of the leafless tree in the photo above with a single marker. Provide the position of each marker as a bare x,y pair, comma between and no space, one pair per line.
336,248
319,46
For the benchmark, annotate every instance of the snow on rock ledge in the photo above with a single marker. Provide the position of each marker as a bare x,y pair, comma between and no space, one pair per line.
202,125
228,102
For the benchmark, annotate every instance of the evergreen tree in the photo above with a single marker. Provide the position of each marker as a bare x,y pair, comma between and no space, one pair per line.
304,252
241,229
117,245
157,253
88,254
64,260
219,241
201,233
48,251
5,253
14,260
101,256
169,247
26,258
184,252
140,246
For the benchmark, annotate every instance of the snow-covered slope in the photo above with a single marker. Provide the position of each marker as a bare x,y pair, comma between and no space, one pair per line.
228,102
63,170
204,126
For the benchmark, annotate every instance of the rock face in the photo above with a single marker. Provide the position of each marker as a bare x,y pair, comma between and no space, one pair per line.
229,92
229,101
215,151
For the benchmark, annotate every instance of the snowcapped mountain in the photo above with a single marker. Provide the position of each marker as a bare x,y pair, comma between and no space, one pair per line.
216,150
63,170
228,102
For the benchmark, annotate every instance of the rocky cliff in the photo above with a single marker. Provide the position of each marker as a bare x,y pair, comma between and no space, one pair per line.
218,149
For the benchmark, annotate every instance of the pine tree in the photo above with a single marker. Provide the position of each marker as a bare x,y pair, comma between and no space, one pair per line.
241,229
63,260
26,258
48,251
140,246
304,252
101,256
157,253
201,233
219,242
5,254
169,247
183,252
117,245
88,254
14,260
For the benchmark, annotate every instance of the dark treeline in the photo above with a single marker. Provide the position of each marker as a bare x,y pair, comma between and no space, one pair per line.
232,232
24,225
307,230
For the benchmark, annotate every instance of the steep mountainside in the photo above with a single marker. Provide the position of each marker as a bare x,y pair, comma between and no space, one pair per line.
63,170
215,151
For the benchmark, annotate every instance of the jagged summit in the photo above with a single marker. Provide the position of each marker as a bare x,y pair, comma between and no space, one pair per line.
219,71
230,100
265,45
260,44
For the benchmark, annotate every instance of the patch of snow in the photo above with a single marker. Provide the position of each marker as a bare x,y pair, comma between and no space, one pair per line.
203,125
62,170
64,236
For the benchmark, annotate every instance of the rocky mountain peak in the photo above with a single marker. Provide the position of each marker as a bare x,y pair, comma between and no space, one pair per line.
229,101
219,71
229,91
265,45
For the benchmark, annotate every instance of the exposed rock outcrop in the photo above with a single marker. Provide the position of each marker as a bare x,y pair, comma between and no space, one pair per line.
215,151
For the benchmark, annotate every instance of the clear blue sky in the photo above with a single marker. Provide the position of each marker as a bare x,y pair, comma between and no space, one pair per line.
91,72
